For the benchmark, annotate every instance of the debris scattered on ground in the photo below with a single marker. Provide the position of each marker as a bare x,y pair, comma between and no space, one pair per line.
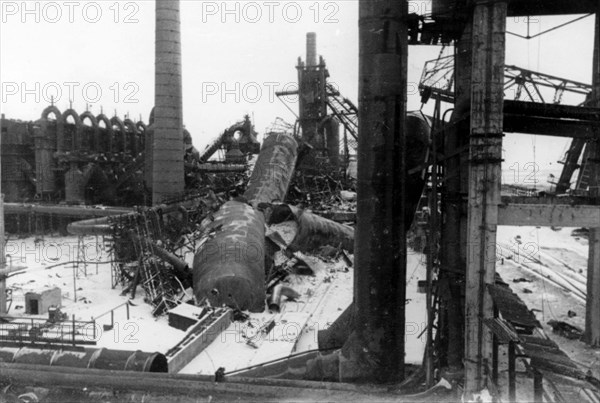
566,330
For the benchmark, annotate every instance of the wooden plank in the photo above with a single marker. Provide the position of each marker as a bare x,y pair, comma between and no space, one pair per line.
549,215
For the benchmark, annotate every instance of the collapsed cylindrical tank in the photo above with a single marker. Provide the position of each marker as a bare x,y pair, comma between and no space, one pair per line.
273,170
229,266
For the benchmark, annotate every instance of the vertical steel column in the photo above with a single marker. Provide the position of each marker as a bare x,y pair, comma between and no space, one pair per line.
454,210
2,251
380,242
592,313
167,152
512,372
538,386
485,153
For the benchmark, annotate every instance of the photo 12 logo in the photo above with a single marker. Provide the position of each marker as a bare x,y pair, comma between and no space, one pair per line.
75,92
54,12
253,12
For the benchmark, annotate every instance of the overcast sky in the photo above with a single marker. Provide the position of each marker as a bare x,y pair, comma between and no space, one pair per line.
235,56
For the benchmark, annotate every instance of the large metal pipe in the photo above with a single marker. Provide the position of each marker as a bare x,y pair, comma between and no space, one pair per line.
229,267
167,162
64,210
176,387
417,142
273,170
98,358
375,351
103,225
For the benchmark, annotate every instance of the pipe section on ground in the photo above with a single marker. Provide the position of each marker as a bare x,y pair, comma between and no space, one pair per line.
102,358
229,267
315,232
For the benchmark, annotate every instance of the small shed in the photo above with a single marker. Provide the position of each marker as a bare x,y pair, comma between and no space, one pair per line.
38,302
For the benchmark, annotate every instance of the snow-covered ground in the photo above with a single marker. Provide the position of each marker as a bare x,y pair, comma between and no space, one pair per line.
550,269
86,292
323,298
549,266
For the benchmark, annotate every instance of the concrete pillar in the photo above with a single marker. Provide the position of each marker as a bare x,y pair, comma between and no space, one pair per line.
592,317
375,352
485,153
167,162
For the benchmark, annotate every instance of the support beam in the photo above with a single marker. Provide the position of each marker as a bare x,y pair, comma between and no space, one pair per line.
454,211
375,352
540,215
592,313
167,141
512,372
576,129
489,27
523,8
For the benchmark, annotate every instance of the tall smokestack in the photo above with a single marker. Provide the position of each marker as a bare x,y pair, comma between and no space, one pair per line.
311,49
167,152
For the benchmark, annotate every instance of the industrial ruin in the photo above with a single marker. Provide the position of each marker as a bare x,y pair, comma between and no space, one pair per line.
364,252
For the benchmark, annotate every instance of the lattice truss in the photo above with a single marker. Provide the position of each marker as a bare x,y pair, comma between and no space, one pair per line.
149,249
520,84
